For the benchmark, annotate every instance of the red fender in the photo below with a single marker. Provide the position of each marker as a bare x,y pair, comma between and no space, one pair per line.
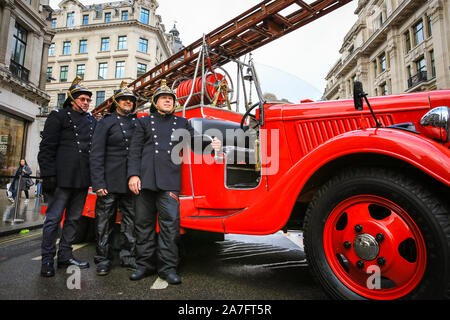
271,214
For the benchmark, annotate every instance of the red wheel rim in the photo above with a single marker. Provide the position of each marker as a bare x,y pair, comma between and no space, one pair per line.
356,229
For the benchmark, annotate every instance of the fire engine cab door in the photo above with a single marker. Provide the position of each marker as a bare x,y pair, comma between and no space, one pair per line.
228,182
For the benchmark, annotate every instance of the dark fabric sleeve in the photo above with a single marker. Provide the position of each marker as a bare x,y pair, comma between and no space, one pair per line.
49,145
27,171
135,152
97,156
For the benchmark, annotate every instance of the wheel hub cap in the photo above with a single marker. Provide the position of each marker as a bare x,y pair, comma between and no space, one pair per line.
366,246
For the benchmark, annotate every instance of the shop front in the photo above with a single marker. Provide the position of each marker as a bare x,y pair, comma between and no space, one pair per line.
12,142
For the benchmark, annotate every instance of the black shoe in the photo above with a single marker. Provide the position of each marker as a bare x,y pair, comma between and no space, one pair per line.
103,270
47,270
73,262
171,278
141,274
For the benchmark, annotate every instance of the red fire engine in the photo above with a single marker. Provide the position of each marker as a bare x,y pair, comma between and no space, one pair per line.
367,180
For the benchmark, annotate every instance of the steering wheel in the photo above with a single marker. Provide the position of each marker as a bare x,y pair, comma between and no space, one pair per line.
247,114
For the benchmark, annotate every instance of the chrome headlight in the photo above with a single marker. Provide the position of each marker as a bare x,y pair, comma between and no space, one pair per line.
436,123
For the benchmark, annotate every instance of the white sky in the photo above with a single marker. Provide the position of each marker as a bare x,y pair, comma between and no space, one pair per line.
306,54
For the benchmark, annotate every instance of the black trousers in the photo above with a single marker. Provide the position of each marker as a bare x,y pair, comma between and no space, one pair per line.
105,216
151,247
72,201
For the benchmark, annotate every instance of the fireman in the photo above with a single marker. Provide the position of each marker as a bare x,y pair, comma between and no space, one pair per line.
110,146
64,165
155,179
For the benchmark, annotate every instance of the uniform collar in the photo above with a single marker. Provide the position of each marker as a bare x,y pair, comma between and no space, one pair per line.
162,116
117,115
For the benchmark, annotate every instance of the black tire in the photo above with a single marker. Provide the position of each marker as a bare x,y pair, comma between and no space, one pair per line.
427,211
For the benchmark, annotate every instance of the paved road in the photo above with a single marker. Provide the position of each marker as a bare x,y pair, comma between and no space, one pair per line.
239,268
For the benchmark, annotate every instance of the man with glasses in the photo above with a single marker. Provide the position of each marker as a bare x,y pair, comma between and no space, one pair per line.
110,146
64,165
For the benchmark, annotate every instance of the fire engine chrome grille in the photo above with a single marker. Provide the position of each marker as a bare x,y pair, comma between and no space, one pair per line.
313,133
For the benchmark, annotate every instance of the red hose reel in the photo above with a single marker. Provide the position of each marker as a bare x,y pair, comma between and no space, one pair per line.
212,83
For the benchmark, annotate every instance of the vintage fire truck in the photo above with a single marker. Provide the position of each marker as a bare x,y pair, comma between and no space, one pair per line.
367,180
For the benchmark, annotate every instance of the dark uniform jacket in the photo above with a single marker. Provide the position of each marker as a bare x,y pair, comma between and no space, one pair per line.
151,149
110,146
65,146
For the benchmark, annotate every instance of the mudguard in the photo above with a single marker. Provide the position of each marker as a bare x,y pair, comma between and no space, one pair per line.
272,212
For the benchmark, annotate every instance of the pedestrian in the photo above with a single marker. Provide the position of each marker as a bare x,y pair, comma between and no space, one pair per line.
109,153
38,184
64,165
155,179
22,176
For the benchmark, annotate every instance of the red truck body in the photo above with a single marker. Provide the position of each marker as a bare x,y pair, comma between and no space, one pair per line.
302,149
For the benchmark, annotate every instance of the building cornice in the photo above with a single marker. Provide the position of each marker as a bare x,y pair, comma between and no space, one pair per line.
27,89
379,36
31,14
105,25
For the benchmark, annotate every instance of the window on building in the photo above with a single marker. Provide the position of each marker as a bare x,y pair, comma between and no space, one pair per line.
107,16
122,43
433,67
141,69
49,73
143,45
60,100
375,68
382,61
28,1
384,89
429,28
418,33
81,68
51,50
104,44
124,15
120,69
380,20
407,41
102,70
83,46
18,50
144,16
19,45
70,19
66,47
63,73
99,97
53,23
85,19
421,65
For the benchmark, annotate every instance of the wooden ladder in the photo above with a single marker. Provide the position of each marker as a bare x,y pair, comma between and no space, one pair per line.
261,24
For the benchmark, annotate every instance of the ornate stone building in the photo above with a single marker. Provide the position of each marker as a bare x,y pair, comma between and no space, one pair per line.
25,38
395,46
104,44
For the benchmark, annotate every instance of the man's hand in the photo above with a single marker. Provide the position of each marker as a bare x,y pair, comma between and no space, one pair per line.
134,183
216,144
101,192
